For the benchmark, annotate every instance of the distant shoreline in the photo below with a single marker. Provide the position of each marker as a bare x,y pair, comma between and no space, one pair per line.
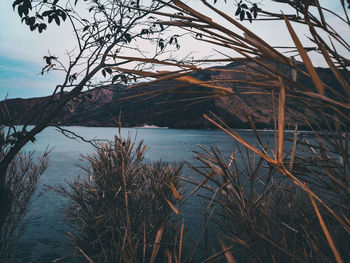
146,126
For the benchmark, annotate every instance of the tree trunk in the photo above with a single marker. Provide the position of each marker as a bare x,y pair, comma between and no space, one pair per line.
5,204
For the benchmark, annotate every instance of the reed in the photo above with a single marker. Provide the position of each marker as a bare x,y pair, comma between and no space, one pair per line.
124,210
285,204
22,179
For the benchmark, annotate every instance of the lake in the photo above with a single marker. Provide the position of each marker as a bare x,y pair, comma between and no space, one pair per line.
45,235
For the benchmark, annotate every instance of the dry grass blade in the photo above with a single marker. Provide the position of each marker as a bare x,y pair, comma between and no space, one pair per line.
281,169
294,147
181,240
228,255
304,186
252,38
156,244
176,211
241,140
214,257
142,73
169,255
194,81
123,255
274,122
191,11
162,77
315,78
154,61
281,120
85,255
335,71
178,16
174,191
326,232
327,100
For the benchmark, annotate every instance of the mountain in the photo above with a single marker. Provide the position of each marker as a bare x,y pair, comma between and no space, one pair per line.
102,107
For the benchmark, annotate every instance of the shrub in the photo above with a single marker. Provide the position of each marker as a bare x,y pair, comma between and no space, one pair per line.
260,216
123,209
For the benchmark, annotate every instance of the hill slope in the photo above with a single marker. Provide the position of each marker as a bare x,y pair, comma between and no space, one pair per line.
101,107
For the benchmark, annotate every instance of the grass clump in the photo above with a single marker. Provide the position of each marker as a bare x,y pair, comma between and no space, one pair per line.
22,177
122,210
261,216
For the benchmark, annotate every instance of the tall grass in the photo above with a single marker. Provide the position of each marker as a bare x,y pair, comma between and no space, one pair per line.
305,216
22,180
262,217
124,210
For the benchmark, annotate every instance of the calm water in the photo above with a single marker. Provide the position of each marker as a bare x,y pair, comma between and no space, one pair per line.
45,234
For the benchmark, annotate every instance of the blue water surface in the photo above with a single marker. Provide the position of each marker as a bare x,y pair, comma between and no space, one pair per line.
44,238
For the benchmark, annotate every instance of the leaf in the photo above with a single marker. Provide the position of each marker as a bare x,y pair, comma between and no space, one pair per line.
161,27
42,27
57,20
238,11
249,17
108,70
63,15
25,8
103,72
161,44
15,3
33,27
127,37
241,16
47,13
124,78
20,10
115,78
48,60
31,20
144,31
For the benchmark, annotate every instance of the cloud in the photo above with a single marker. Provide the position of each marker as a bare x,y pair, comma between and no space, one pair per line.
21,78
21,50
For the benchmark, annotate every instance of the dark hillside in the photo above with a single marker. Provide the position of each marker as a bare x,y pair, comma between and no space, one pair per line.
101,107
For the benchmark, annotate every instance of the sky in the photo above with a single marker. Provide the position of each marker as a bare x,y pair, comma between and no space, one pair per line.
22,51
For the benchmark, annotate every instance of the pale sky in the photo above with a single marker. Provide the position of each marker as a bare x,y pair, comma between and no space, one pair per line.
21,51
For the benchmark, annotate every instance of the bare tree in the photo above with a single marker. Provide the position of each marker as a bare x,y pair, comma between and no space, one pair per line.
102,29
